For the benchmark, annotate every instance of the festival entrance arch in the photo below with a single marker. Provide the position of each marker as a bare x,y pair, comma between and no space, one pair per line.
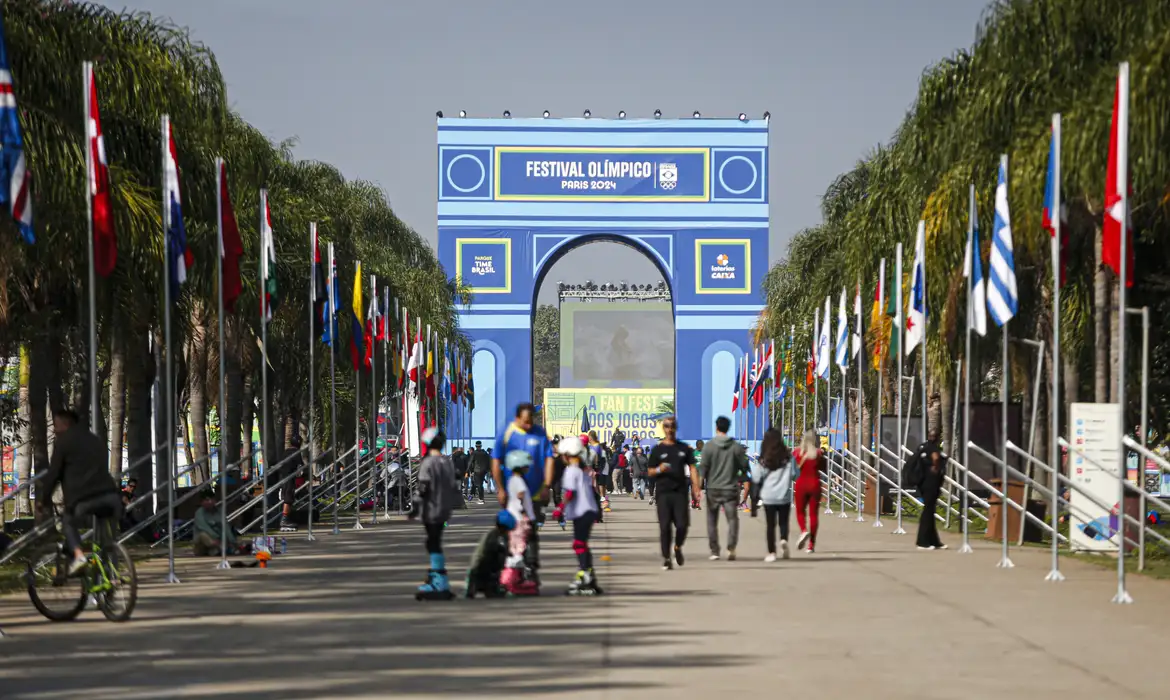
514,195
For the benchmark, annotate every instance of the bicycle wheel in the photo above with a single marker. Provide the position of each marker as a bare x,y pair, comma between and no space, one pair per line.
121,594
54,594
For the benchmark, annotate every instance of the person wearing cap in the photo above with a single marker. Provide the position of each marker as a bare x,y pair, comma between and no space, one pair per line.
491,554
523,434
209,533
579,507
436,498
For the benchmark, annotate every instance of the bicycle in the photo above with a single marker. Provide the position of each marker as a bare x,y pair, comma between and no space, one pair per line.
109,578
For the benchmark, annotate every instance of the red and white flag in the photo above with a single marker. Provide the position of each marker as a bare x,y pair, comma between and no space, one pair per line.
105,246
1117,184
417,367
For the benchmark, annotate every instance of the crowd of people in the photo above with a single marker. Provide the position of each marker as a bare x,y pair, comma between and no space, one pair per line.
575,476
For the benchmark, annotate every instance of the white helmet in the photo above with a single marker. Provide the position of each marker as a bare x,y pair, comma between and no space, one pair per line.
571,446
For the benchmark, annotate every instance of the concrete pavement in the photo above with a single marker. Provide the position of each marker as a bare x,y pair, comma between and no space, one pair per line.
868,616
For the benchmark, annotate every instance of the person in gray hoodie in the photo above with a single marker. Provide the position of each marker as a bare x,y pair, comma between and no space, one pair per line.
772,486
722,462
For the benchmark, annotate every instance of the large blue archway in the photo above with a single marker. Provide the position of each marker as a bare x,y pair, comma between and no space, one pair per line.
514,195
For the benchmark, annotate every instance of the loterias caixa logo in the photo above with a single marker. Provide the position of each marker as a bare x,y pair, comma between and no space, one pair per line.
723,266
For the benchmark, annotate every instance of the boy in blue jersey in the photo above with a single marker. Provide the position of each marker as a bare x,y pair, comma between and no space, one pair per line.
522,434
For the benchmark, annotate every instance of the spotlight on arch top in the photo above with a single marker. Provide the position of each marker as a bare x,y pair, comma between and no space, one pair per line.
507,114
742,117
439,114
588,114
696,115
546,114
622,114
463,114
658,114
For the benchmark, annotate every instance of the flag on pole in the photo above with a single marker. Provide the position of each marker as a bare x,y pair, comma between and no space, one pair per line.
973,268
469,389
916,315
401,358
333,302
1002,299
231,246
810,372
763,373
879,321
842,348
445,383
1117,184
15,177
754,375
373,320
1051,205
856,322
824,359
105,244
270,295
417,363
738,382
430,387
357,350
179,256
319,287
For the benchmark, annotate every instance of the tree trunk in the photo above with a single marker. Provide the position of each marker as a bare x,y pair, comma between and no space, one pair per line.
947,407
117,404
1100,325
24,447
139,378
230,425
197,393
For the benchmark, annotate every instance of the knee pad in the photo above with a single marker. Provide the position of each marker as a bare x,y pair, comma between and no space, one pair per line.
580,547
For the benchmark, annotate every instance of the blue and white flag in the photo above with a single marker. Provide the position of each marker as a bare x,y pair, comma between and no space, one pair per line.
973,269
916,315
823,358
15,178
1002,299
842,348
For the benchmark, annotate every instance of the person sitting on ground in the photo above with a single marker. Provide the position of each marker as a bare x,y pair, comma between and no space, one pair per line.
483,576
80,465
209,533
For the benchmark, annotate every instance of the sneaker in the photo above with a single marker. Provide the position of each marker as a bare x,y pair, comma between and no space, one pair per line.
667,565
810,550
714,557
770,558
784,549
804,536
941,546
731,555
481,501
924,549
78,565
678,556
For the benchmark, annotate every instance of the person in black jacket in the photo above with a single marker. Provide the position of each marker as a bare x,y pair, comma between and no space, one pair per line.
80,464
927,470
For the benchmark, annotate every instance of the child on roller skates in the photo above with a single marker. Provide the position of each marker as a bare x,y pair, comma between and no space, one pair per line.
433,503
579,505
517,578
489,559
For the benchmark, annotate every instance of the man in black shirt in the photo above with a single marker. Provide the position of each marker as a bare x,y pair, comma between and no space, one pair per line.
481,464
668,467
79,464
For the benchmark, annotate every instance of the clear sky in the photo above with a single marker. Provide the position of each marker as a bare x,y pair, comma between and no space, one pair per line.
357,82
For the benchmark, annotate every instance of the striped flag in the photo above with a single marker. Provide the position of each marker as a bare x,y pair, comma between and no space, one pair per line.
179,256
15,177
842,348
1002,299
973,268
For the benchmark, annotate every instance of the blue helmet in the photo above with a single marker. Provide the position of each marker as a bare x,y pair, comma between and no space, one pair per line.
506,520
517,459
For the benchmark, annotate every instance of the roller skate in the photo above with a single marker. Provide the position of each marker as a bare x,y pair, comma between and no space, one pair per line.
286,524
437,587
512,579
585,583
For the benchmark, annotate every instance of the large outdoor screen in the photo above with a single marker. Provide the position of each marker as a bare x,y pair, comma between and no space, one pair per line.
621,344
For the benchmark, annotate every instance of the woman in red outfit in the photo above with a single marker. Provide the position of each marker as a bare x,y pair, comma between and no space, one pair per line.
810,460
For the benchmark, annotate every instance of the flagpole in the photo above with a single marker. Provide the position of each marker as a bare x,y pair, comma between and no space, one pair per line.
901,341
223,562
1123,595
94,401
825,331
1005,562
860,482
264,441
1054,433
334,460
971,226
877,482
921,254
357,422
169,387
373,401
312,365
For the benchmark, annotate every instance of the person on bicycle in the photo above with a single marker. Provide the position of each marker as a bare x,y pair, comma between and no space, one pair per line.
80,464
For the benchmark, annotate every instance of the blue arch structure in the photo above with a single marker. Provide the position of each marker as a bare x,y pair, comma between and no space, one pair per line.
515,195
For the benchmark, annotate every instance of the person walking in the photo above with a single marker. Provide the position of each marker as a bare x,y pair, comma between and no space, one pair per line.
523,434
809,460
928,468
638,472
481,464
722,460
772,487
668,465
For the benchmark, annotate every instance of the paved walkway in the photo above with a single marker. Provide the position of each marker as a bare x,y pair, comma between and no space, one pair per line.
868,616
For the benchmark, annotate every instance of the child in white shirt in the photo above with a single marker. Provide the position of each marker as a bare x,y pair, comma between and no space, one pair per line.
579,506
513,577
